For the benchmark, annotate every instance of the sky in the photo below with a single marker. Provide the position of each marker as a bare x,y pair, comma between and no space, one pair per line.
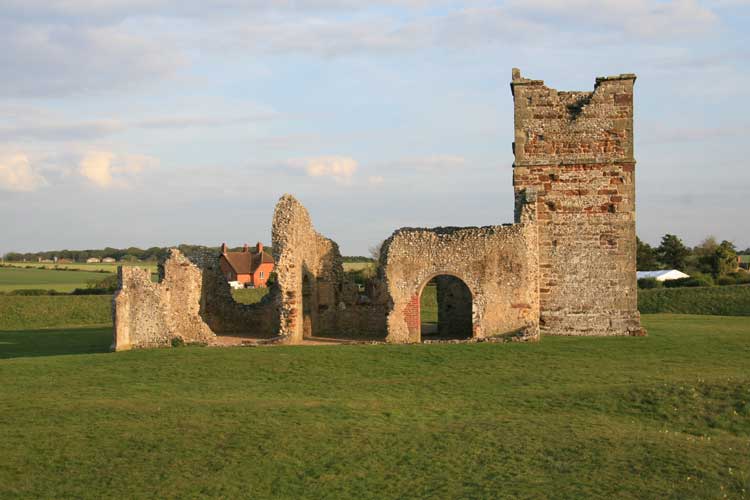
158,122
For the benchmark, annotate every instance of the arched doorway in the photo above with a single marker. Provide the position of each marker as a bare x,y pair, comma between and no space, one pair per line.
446,309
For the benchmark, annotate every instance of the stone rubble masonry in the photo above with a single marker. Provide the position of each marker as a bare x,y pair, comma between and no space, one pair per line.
221,312
148,314
315,299
497,263
565,267
192,303
574,150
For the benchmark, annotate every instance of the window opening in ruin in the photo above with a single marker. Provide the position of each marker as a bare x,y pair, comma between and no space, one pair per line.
307,307
446,309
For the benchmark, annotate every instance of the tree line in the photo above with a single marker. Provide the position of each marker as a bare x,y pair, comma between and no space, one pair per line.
709,258
130,254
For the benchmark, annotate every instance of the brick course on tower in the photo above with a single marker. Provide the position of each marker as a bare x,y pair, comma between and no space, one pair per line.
574,156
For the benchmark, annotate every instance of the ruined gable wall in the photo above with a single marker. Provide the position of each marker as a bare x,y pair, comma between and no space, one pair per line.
148,314
497,263
303,254
327,305
574,151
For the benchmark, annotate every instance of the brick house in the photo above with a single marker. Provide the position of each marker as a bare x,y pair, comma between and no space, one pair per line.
251,269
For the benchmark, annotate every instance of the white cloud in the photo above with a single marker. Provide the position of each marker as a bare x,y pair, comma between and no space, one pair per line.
125,43
339,168
59,131
375,180
34,124
641,18
48,59
97,168
106,170
433,163
17,174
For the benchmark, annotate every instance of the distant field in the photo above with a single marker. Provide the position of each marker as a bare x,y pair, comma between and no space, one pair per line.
428,304
249,295
357,266
112,268
16,278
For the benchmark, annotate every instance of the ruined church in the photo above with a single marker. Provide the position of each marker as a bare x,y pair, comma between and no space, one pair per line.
565,266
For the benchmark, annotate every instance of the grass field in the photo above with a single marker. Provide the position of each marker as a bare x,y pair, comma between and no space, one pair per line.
12,278
357,266
428,309
249,295
83,266
664,416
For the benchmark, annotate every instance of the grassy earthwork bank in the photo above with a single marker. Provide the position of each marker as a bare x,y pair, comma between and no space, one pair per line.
730,300
664,416
54,311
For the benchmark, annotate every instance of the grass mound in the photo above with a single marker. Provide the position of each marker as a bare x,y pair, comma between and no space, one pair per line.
730,300
51,311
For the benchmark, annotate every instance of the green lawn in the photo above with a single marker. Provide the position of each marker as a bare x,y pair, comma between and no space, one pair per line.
664,416
428,309
16,278
249,295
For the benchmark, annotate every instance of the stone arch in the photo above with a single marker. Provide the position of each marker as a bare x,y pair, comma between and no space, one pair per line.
412,310
498,264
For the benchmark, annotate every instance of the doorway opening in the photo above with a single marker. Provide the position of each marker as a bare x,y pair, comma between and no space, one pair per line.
307,307
446,309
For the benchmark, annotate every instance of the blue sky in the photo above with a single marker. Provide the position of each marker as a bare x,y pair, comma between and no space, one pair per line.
156,122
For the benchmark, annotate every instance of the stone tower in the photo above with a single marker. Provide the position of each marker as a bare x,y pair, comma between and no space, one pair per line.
574,158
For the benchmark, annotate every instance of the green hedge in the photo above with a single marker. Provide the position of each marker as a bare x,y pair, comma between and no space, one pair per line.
731,300
19,312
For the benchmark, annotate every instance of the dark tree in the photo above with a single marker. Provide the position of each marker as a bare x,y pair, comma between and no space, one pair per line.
672,252
646,258
725,259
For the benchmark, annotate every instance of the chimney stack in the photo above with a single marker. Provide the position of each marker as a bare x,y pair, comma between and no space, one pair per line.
223,248
245,248
260,247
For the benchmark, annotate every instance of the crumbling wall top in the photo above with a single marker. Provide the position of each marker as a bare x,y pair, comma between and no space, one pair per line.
573,127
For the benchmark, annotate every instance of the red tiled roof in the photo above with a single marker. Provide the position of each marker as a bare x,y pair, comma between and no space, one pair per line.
247,262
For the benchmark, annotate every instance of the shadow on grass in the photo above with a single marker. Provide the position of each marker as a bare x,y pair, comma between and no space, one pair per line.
54,342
